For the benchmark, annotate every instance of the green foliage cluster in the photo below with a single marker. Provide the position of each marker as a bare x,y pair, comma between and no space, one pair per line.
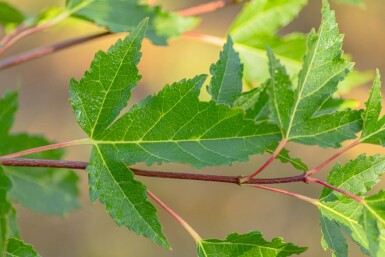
297,100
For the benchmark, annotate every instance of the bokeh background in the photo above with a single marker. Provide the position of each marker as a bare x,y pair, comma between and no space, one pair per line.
214,210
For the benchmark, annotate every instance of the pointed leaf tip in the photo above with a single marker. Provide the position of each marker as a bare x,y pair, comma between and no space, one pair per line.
226,82
373,131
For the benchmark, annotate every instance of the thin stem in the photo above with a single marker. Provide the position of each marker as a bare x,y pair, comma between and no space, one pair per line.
47,147
28,31
146,173
285,192
333,157
267,163
204,38
179,219
16,31
46,50
323,183
207,7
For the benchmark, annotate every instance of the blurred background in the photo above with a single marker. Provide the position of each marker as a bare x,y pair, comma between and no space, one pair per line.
214,210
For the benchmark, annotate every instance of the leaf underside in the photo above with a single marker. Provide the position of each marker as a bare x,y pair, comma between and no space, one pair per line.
251,244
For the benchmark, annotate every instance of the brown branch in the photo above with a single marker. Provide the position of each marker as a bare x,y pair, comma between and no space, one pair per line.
46,50
22,32
146,173
207,7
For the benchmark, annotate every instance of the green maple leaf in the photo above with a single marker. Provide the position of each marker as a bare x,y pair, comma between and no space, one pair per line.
18,248
8,107
226,84
295,111
5,209
340,213
333,238
251,244
124,15
255,103
373,129
97,100
172,126
45,189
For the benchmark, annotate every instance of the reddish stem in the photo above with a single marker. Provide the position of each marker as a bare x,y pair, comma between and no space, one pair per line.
333,157
47,147
8,37
206,8
285,192
146,173
179,219
267,163
323,183
46,50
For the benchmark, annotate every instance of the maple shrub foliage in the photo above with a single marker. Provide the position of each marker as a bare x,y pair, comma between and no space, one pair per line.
267,89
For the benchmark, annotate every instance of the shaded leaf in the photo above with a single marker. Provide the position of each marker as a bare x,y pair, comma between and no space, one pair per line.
124,15
251,244
284,157
9,15
333,237
18,248
5,209
255,104
226,82
369,223
46,190
8,107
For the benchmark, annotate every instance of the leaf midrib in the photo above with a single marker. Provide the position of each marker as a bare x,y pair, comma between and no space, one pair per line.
96,121
103,142
125,197
351,221
257,17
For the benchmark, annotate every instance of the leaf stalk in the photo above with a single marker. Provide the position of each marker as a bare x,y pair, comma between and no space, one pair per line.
267,163
332,158
197,238
47,147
